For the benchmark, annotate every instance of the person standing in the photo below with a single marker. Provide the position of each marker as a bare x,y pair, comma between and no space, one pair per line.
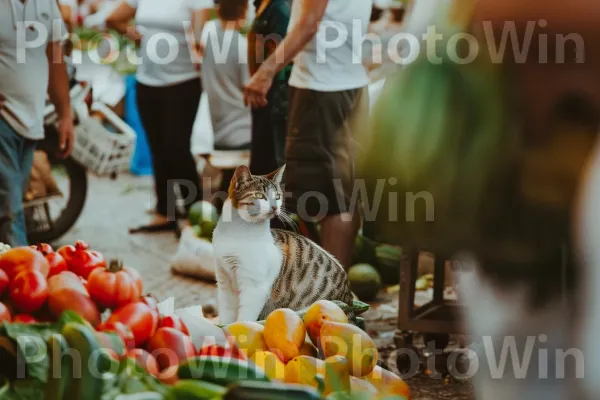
327,91
168,94
28,71
269,123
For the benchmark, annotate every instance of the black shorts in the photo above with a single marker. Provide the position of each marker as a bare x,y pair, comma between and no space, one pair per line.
320,151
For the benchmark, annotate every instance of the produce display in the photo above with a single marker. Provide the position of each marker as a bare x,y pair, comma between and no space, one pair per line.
203,216
74,326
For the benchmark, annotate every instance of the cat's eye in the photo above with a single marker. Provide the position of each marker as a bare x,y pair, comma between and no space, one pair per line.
278,197
259,196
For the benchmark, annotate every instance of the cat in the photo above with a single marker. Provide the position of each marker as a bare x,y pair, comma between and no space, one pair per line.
260,269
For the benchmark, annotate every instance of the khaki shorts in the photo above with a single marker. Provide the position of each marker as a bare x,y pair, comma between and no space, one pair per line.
321,150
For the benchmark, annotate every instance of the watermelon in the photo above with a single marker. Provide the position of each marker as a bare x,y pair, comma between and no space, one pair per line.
365,281
204,215
364,250
388,263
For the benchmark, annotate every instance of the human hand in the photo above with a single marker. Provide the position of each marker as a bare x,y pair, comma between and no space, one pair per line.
255,92
66,136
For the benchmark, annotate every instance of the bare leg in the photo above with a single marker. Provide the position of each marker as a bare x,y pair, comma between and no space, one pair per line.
338,234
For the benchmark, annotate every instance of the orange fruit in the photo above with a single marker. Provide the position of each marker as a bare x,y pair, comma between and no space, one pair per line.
382,379
358,385
273,367
248,336
319,312
303,370
337,375
308,349
284,333
351,342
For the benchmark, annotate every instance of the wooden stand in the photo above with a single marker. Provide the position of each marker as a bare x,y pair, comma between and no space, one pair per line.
437,319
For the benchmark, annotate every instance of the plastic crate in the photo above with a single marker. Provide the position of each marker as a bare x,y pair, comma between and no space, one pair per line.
107,147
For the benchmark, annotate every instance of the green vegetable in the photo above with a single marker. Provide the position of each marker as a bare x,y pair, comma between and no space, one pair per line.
248,390
220,371
61,368
195,390
205,216
89,384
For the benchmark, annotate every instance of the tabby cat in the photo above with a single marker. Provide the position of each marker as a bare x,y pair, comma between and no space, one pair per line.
260,269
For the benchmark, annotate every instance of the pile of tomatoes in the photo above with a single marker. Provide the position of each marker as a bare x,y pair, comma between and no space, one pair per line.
38,284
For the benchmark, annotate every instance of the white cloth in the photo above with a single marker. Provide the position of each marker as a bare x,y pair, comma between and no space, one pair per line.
166,56
24,66
332,61
224,74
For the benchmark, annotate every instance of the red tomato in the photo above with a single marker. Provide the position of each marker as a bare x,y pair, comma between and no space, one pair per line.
151,302
170,347
28,291
4,282
144,360
172,321
139,318
215,350
79,301
124,332
114,286
4,314
56,261
66,280
24,319
168,376
22,259
80,259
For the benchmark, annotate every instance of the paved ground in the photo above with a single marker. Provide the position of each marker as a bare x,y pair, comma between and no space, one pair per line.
114,206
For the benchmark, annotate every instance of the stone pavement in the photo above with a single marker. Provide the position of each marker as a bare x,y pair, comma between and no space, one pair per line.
114,206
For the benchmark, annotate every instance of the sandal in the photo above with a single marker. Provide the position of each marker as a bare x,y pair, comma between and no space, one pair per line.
155,228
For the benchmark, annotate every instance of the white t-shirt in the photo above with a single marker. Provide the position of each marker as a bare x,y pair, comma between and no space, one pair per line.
166,56
333,60
224,74
24,66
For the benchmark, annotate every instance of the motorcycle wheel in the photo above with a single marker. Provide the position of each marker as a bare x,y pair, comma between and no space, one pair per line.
73,207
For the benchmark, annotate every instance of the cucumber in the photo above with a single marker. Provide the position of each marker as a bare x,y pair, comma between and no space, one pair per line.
220,371
188,389
248,390
89,383
60,369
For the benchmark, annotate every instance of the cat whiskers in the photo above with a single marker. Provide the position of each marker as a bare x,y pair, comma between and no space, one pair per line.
284,216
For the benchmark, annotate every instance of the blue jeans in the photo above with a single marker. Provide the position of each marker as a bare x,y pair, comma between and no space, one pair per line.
16,160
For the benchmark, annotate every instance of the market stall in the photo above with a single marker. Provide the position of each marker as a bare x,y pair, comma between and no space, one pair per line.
75,325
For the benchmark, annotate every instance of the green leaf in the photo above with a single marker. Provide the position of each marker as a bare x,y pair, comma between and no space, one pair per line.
31,340
28,389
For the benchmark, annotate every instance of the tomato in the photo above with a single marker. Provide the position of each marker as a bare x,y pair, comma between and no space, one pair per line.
28,291
80,259
170,347
172,321
144,360
168,376
150,301
4,282
124,332
56,262
22,259
4,314
65,299
216,350
138,317
66,280
115,285
24,319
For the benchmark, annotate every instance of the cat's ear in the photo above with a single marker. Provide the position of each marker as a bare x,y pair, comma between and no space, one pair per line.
277,175
240,176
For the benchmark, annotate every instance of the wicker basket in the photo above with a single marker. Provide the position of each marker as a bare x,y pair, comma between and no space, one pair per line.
106,147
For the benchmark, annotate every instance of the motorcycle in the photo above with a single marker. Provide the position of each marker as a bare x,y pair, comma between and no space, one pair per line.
49,217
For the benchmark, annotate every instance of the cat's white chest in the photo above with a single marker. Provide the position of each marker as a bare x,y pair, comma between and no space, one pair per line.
246,253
